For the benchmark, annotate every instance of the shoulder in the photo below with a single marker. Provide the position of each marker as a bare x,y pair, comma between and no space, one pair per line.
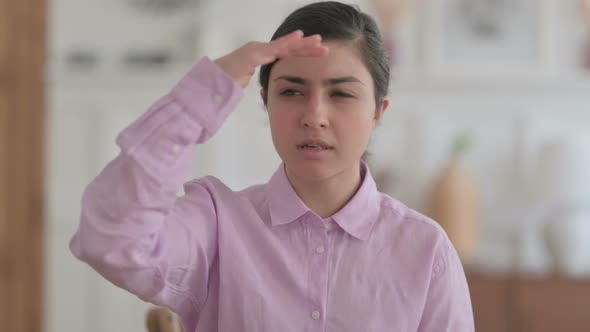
210,184
218,190
413,230
400,217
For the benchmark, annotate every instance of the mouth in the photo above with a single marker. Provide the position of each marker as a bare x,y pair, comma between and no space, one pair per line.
314,145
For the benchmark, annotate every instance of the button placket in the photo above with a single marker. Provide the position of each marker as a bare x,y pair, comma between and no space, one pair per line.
319,273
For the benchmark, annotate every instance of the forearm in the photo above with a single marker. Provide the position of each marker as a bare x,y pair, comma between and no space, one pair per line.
125,208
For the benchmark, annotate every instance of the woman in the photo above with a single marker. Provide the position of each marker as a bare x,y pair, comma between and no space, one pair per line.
317,248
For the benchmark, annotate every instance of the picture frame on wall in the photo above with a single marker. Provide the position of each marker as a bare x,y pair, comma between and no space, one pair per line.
485,38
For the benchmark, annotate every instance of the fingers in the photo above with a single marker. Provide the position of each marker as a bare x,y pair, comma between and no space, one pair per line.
306,46
309,46
280,46
293,44
273,49
286,39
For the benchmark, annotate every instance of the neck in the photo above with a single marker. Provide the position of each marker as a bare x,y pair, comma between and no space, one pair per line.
327,196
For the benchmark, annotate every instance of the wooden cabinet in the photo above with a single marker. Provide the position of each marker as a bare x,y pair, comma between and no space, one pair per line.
490,299
521,304
22,143
554,305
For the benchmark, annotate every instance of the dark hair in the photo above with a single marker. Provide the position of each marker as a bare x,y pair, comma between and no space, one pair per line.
336,21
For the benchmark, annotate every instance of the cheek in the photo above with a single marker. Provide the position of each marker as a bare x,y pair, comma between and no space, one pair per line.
358,121
281,112
355,131
281,123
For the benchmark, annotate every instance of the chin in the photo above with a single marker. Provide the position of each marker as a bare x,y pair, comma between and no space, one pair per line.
312,169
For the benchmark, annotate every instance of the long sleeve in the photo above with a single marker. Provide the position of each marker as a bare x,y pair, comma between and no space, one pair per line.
134,230
448,303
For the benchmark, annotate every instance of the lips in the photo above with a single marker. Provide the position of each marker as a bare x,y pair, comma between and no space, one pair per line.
315,144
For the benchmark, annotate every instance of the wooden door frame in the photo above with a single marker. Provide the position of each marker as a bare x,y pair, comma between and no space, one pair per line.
23,45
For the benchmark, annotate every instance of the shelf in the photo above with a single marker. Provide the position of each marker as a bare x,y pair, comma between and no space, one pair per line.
554,84
116,78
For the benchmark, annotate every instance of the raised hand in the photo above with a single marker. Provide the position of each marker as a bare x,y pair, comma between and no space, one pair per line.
242,62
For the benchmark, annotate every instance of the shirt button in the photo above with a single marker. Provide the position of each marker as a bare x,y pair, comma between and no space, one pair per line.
216,99
175,148
315,315
329,225
320,249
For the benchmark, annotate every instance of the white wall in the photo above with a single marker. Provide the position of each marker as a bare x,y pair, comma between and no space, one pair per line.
509,118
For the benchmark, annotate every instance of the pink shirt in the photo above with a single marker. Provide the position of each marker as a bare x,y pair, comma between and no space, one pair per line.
258,259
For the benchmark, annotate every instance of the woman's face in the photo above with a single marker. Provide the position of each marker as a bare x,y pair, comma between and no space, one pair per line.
322,111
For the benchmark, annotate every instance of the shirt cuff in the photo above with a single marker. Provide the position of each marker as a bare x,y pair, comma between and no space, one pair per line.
208,94
161,139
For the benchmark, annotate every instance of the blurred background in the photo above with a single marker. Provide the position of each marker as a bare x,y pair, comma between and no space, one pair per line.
488,132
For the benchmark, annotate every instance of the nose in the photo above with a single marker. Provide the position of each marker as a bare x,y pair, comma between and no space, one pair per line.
315,115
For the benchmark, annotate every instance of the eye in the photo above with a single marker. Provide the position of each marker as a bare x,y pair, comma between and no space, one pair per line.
291,92
342,94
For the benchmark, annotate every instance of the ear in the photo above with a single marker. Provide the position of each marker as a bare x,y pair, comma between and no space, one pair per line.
379,112
262,96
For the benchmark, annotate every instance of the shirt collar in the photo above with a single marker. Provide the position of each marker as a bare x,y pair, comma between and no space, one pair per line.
357,217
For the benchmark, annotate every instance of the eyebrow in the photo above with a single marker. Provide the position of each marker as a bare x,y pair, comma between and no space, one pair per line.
329,81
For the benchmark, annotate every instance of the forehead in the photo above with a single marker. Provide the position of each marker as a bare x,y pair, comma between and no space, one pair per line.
344,59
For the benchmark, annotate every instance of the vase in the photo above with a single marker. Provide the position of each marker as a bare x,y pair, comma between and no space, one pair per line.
454,204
